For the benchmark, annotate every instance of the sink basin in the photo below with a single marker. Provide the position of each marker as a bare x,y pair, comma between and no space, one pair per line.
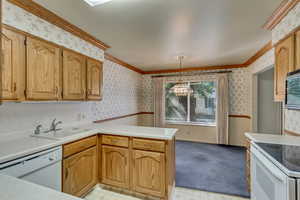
57,135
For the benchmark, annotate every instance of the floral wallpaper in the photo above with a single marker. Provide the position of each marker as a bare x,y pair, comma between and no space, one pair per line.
292,120
125,91
122,91
25,21
238,90
239,87
287,24
264,62
290,22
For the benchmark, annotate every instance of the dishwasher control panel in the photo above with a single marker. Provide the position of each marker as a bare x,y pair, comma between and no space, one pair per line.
28,164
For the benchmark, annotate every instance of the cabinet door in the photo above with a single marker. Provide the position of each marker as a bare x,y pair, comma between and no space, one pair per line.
74,76
13,65
115,166
149,173
43,70
284,61
80,172
94,79
298,50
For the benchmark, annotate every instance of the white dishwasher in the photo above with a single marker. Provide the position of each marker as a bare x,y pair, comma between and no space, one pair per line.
43,168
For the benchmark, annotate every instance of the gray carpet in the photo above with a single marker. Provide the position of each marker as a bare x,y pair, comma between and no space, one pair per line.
211,167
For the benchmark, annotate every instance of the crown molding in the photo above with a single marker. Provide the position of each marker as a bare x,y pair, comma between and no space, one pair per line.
283,9
259,53
206,68
42,12
120,62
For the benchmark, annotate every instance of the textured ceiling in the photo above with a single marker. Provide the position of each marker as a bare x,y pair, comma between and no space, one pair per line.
149,34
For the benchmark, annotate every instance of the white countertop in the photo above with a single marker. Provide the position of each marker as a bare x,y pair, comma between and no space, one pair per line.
17,189
21,144
274,139
16,145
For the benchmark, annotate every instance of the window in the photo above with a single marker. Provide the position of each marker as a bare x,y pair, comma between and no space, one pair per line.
197,108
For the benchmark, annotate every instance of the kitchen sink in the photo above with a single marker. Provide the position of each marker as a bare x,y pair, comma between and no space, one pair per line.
60,134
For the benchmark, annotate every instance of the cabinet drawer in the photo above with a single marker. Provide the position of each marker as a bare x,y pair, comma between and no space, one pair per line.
78,146
149,145
115,140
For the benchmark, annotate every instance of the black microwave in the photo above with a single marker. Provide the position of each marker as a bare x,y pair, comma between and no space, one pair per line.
292,98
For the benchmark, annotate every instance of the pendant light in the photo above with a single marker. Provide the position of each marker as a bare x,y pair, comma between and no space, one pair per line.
181,88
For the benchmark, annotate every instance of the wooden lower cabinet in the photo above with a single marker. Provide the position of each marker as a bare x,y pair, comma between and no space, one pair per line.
115,166
80,172
139,166
149,173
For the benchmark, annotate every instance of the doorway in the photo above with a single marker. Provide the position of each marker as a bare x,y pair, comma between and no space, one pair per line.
269,113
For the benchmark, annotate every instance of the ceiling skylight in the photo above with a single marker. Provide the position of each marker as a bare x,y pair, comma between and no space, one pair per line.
96,2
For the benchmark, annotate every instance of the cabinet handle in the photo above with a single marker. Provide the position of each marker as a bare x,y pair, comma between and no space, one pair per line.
67,173
15,86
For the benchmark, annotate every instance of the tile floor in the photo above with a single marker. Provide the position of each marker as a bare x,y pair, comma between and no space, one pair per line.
181,194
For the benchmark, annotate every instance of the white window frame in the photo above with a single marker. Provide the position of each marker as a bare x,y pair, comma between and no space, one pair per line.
188,122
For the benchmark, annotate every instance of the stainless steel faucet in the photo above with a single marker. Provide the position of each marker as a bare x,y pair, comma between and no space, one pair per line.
54,124
37,130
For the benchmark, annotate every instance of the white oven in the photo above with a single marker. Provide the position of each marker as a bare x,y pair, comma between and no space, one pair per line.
268,182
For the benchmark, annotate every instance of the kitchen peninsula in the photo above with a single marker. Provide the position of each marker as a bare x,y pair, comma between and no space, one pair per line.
140,160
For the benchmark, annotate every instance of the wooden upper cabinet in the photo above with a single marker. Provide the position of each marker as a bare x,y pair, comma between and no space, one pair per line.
94,79
284,63
149,173
297,50
80,172
74,76
13,65
115,166
43,70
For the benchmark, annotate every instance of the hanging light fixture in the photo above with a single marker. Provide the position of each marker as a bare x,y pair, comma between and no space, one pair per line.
181,88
